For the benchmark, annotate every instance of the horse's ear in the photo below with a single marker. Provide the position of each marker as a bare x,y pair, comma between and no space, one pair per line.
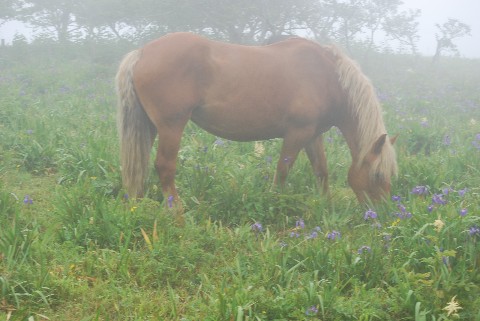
394,139
377,147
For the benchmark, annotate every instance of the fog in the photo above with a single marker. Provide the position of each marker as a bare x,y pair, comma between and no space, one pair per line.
432,12
438,11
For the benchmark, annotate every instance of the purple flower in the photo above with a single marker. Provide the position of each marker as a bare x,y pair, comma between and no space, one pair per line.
403,215
430,208
219,142
463,212
446,190
313,235
294,234
311,311
300,224
476,142
462,192
369,214
396,198
170,201
27,200
125,196
364,249
474,231
29,131
420,190
257,227
438,199
333,235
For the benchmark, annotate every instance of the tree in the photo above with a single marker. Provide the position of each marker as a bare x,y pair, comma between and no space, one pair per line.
448,31
403,28
48,15
6,10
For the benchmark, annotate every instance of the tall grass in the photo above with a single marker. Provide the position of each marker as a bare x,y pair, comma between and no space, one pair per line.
73,247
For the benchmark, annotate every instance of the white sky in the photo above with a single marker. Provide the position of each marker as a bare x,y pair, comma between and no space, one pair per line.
438,11
432,12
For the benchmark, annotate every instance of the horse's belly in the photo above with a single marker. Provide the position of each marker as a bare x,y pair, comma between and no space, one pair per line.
238,125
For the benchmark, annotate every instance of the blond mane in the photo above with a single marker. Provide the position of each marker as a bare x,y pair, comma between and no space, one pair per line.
367,110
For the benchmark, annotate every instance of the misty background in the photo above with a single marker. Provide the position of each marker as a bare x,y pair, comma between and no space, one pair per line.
431,28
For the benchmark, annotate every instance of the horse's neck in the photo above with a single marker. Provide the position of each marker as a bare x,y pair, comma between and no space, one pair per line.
351,134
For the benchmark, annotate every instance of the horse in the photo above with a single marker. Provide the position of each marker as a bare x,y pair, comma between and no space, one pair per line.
295,89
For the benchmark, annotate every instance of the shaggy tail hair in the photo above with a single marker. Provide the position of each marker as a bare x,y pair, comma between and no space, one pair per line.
135,130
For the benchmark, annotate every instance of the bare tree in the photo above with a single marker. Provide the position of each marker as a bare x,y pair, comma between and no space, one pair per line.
448,31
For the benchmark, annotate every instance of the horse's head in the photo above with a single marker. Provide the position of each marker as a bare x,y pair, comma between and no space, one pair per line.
371,179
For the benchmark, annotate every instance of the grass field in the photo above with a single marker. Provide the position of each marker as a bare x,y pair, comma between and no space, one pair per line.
72,247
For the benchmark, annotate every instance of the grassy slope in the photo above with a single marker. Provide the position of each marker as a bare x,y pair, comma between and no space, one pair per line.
81,251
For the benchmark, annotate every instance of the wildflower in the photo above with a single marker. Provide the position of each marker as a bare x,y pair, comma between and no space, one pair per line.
463,212
300,224
396,198
259,149
438,224
27,200
29,131
403,214
424,122
462,192
438,199
377,225
257,227
476,142
125,196
420,190
446,190
283,244
452,307
474,231
313,235
219,142
311,311
430,208
364,249
333,235
369,214
294,234
170,201
133,208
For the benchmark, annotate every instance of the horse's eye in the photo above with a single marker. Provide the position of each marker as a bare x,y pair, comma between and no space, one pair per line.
379,176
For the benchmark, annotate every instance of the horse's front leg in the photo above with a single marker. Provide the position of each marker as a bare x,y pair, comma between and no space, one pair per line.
293,143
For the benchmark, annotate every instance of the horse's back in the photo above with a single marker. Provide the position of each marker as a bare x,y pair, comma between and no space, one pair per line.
236,91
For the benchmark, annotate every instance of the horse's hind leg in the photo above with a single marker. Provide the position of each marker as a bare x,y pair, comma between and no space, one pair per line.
316,154
169,138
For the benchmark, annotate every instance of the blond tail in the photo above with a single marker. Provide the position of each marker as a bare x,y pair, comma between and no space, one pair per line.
136,131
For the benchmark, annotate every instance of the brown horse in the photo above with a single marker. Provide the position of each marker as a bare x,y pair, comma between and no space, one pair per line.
295,89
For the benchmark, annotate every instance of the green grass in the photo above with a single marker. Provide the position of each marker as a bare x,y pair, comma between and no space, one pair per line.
80,251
